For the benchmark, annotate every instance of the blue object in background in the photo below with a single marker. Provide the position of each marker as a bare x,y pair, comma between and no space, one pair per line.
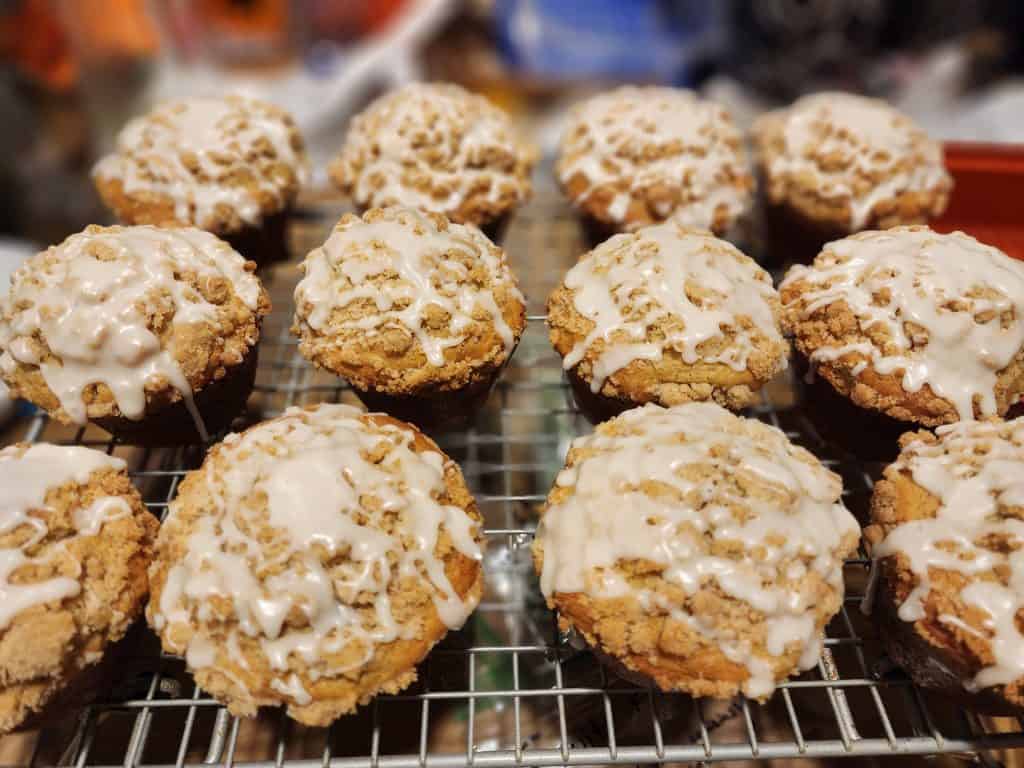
656,40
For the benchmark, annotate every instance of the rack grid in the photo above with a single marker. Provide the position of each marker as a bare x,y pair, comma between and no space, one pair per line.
508,689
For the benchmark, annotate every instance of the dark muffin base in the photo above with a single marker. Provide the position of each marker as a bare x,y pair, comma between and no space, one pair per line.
863,434
593,405
932,668
218,403
436,410
496,229
596,231
791,238
265,244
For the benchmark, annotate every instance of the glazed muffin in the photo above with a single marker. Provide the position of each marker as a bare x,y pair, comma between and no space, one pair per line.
148,332
666,315
418,314
835,163
695,548
230,165
75,542
439,148
947,522
923,327
637,156
313,561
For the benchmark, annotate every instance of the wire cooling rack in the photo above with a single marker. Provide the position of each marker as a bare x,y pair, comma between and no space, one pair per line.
509,689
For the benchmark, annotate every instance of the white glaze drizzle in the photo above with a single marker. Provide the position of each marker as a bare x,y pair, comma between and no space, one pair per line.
693,145
456,140
610,518
631,283
311,467
86,300
931,280
402,262
25,479
976,471
228,137
837,138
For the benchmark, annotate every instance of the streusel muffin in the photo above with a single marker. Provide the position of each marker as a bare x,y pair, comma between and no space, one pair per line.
696,548
666,315
75,543
926,328
230,165
946,534
417,313
313,561
149,332
636,156
835,163
436,147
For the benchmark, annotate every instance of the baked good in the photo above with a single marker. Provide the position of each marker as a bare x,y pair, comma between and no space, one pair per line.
149,332
417,313
230,165
927,328
835,163
313,560
666,315
436,147
635,156
946,535
695,548
75,542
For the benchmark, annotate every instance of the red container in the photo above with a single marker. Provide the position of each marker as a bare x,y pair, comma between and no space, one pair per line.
988,196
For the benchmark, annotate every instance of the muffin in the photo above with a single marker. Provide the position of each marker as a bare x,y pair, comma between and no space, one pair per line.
230,165
695,548
148,332
418,314
439,148
637,156
834,163
922,327
666,315
946,532
75,542
313,561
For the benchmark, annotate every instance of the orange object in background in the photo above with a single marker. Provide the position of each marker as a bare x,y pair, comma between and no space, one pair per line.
48,40
255,18
31,37
986,200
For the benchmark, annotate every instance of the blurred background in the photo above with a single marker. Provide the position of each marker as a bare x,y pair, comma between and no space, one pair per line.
75,70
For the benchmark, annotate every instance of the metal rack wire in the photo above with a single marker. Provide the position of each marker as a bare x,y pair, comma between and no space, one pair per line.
509,689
